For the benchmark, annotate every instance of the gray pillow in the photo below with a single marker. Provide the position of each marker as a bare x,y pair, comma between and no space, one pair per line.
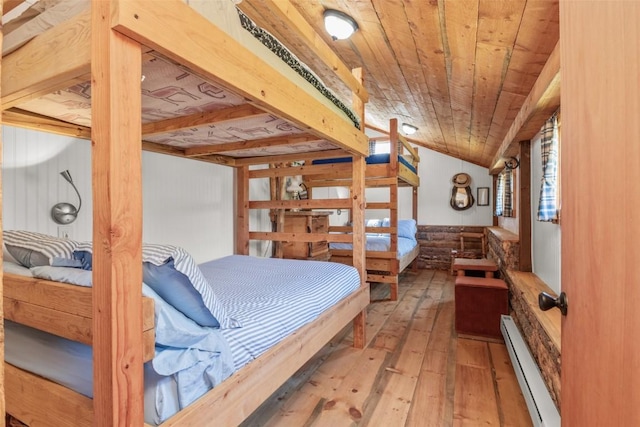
28,257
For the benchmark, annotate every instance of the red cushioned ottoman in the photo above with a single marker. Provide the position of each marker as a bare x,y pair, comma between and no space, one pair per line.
479,303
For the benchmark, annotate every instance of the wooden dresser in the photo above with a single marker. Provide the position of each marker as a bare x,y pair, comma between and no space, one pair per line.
306,222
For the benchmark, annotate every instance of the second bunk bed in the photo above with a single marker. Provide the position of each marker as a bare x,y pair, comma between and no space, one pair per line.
391,242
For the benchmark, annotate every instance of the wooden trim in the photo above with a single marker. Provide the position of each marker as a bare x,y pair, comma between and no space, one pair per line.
262,85
539,105
524,199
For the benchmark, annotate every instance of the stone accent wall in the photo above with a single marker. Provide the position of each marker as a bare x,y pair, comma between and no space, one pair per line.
526,315
437,242
504,248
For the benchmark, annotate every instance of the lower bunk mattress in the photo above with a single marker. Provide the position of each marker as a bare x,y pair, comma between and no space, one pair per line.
269,298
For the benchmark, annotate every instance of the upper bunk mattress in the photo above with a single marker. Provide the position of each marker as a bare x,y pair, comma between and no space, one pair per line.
373,159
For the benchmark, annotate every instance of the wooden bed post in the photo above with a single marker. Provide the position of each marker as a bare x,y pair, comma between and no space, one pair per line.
116,72
242,210
357,216
359,258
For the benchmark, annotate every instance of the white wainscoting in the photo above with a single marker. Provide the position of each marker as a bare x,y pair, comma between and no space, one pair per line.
185,202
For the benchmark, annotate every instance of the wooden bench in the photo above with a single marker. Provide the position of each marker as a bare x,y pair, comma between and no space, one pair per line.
461,265
479,303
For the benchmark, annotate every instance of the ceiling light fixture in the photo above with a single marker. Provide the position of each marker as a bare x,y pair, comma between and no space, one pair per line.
339,25
409,129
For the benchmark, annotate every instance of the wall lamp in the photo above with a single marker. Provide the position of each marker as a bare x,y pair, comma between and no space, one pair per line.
409,129
63,212
339,25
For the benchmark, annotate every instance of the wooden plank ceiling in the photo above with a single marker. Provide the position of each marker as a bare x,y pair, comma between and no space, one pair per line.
459,70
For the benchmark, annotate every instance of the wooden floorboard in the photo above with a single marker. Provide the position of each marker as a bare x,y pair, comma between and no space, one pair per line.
414,371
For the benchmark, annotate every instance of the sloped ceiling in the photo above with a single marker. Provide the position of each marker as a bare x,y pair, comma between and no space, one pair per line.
459,70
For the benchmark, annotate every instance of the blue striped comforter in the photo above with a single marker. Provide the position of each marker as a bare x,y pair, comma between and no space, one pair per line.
273,297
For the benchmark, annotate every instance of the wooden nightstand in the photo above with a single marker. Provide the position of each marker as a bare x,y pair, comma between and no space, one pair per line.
306,222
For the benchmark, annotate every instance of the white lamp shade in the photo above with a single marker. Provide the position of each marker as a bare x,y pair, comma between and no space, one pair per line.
339,25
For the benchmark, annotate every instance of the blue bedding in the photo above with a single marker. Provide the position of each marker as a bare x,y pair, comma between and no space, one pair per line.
382,243
270,297
380,158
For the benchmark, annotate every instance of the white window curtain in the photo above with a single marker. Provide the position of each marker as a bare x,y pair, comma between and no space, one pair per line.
548,205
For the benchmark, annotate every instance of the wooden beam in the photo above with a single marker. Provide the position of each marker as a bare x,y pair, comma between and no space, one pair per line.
299,170
286,158
359,257
252,144
116,67
301,204
202,47
242,210
540,104
26,119
294,21
54,60
200,119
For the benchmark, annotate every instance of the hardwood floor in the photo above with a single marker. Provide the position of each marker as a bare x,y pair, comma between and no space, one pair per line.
413,372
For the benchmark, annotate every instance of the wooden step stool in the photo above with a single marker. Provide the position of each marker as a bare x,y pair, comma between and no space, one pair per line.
479,302
483,264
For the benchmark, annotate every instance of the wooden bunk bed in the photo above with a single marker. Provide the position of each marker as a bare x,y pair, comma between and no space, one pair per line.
105,51
399,170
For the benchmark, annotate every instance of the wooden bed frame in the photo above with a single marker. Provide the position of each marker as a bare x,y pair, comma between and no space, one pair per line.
106,46
383,267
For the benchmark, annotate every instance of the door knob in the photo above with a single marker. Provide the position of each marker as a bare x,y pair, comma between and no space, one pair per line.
547,301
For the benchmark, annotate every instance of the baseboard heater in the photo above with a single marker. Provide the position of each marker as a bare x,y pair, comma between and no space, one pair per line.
541,407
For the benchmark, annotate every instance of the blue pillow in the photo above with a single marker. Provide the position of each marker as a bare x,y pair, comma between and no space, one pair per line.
85,257
176,288
407,228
